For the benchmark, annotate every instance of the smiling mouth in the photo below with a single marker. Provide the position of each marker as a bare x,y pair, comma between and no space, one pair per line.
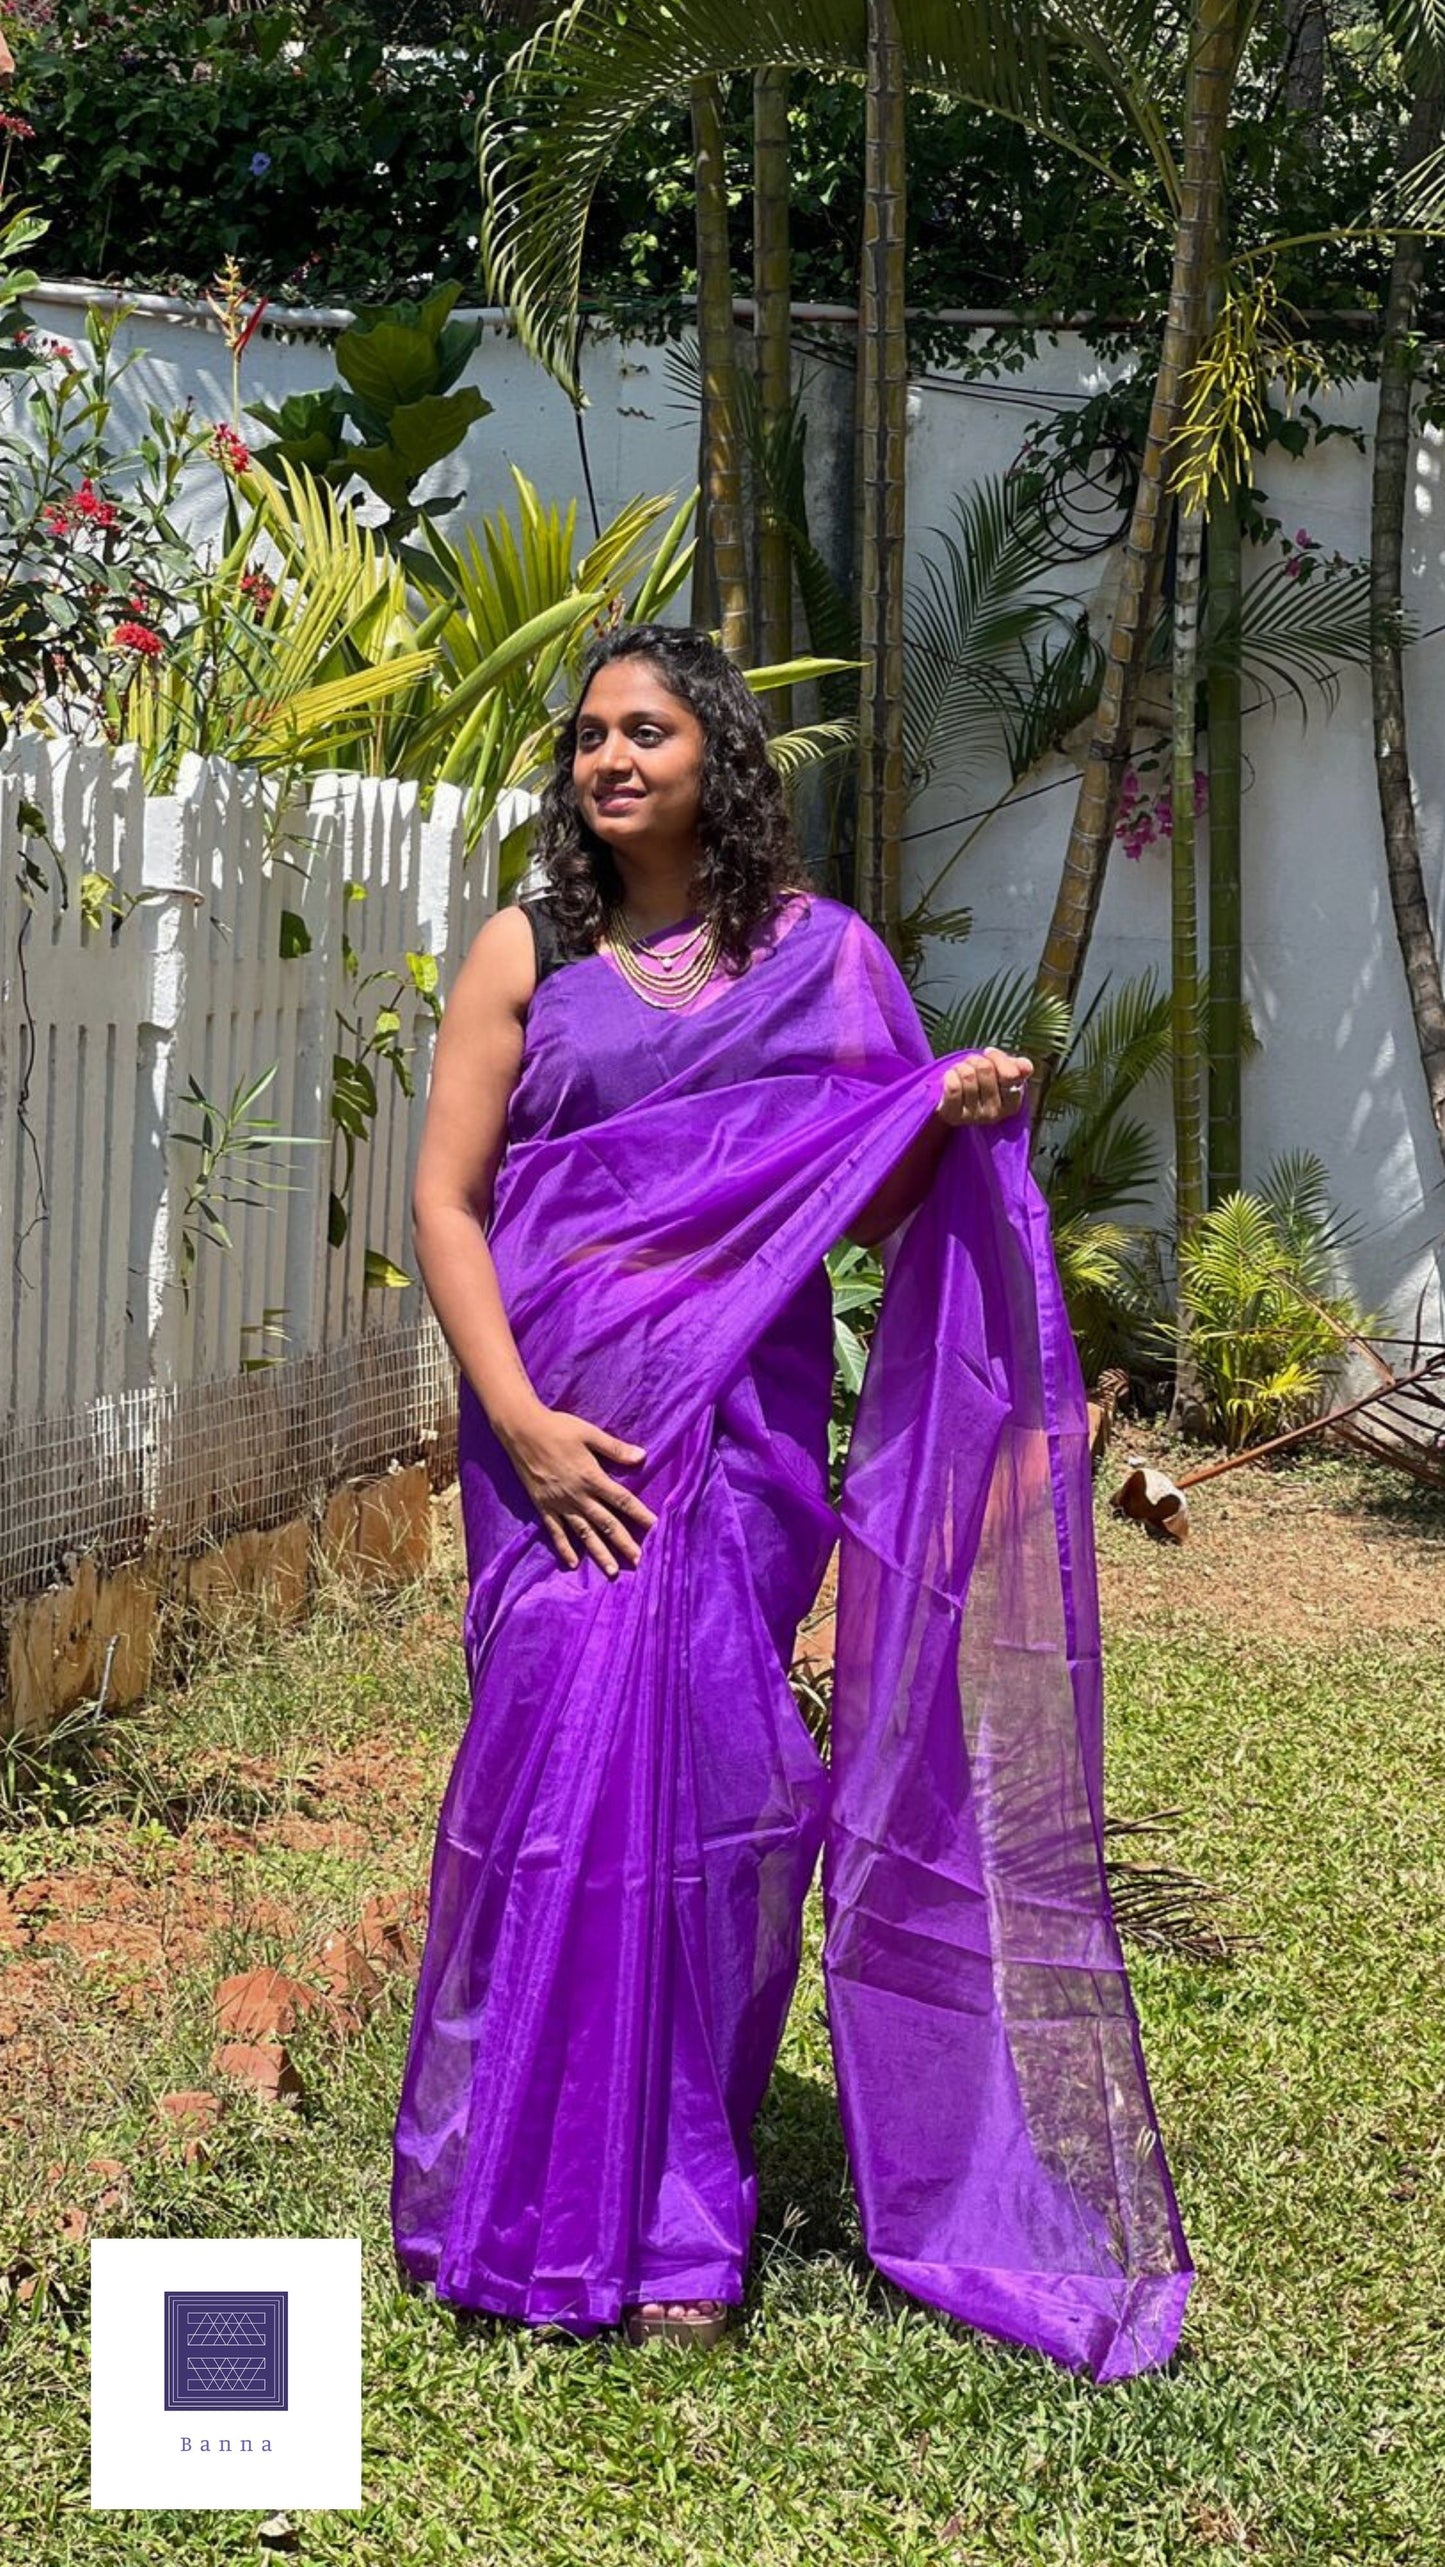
611,801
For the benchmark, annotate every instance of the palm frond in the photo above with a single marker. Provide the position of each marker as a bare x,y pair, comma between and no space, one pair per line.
1128,46
792,751
671,563
553,116
1298,631
1122,1038
1107,1168
1058,690
796,672
1006,1011
1416,28
1421,194
968,623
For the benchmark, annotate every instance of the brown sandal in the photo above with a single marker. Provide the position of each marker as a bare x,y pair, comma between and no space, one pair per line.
705,2322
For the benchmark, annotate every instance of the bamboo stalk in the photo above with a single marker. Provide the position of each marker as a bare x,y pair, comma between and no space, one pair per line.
722,476
1408,897
1224,1155
1066,947
883,399
773,341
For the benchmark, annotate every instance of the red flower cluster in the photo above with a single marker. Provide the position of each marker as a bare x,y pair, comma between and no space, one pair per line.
259,589
85,507
138,638
18,128
229,450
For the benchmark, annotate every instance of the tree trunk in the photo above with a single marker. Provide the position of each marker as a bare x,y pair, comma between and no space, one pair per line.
1304,86
773,333
883,402
703,606
1387,545
722,510
1076,907
1224,1158
1184,912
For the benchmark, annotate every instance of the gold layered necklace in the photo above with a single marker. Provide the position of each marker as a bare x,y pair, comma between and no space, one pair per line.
663,980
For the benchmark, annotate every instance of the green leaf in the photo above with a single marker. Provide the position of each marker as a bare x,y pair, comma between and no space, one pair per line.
381,1274
794,673
387,362
423,431
295,936
336,1220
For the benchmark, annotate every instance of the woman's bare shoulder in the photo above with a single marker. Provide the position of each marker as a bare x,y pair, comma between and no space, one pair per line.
500,969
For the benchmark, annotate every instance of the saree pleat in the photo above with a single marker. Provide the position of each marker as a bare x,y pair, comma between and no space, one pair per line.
636,1809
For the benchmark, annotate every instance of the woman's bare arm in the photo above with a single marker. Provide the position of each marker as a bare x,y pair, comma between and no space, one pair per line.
475,1067
902,1190
976,1090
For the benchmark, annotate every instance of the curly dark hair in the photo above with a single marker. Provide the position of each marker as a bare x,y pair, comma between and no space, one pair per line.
750,858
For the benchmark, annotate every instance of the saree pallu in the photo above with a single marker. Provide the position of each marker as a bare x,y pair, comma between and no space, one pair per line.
637,1808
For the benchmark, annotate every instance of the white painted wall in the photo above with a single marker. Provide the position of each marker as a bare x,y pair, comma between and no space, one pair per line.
1338,1071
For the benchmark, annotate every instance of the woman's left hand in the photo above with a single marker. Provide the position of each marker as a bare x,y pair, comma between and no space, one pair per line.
986,1088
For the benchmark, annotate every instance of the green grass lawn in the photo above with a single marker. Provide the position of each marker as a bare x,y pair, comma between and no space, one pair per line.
1301,2088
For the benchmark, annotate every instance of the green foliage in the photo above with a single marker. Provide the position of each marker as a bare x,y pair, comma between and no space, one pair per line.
1093,1157
856,1275
1265,1317
233,1147
150,115
402,363
89,554
333,164
970,623
1094,1160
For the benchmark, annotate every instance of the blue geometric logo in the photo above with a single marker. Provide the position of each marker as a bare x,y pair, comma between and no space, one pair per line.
225,2349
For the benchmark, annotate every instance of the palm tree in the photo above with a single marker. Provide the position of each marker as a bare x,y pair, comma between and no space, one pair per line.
1224,1151
773,341
551,122
882,380
723,542
1214,57
1408,897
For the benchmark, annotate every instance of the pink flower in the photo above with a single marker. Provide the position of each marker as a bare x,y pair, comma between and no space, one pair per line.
1294,566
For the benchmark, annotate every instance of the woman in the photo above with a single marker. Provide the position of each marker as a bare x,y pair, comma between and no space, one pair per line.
659,1097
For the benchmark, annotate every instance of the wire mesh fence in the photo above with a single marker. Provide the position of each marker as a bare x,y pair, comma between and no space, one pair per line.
161,1382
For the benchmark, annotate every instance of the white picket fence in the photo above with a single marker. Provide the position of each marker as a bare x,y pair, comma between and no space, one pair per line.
131,1399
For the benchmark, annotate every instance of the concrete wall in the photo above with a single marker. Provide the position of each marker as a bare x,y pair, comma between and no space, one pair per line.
1338,1071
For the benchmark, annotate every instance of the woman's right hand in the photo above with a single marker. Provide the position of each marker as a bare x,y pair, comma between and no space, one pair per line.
559,1460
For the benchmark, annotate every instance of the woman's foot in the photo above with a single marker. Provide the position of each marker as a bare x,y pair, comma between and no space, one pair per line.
676,2321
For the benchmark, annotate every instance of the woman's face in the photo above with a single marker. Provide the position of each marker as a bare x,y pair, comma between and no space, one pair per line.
637,766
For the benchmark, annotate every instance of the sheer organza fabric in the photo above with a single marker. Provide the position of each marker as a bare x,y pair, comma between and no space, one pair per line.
637,1809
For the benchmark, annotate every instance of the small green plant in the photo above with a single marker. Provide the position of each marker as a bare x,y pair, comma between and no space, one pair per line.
1266,1322
856,1274
47,1782
227,1140
397,411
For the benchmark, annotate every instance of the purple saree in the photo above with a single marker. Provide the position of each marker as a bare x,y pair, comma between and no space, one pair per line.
637,1809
